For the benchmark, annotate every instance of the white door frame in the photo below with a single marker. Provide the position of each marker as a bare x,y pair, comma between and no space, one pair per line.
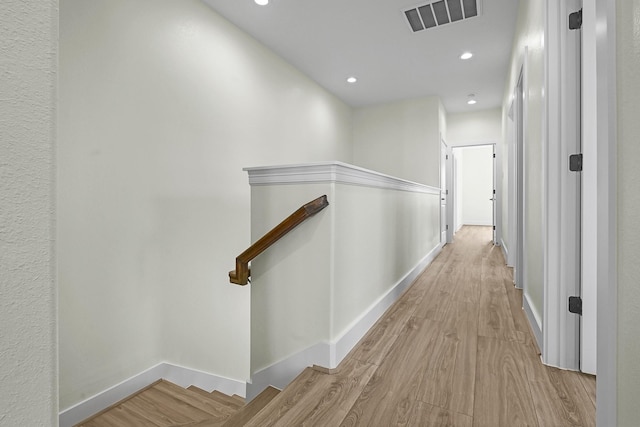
599,27
497,186
561,254
444,192
497,173
450,197
599,31
517,176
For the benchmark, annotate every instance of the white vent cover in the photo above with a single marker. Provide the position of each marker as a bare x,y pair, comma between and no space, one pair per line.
441,12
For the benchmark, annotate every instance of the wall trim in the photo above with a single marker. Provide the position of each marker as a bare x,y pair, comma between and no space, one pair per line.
334,172
505,251
534,321
477,222
329,354
358,329
179,375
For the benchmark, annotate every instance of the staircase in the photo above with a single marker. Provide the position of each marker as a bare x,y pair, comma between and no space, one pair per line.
168,405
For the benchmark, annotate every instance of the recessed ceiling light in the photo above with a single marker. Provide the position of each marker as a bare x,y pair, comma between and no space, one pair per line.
472,99
352,79
262,2
466,55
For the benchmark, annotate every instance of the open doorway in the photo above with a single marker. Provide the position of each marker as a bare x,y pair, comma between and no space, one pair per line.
474,197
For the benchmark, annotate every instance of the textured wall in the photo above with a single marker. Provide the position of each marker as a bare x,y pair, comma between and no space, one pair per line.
28,61
628,53
162,103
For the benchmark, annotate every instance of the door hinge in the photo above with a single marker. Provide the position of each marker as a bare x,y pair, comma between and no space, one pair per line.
494,155
494,227
575,162
494,191
575,305
447,227
575,20
446,192
446,157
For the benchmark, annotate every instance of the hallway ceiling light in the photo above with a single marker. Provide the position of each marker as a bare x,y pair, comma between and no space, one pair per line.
472,99
262,2
466,55
352,79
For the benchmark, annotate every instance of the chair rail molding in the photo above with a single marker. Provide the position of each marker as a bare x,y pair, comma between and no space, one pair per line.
334,172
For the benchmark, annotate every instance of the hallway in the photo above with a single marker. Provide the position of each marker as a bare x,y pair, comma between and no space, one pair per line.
454,350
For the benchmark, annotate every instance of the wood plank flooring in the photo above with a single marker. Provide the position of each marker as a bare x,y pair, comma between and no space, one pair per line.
455,350
165,404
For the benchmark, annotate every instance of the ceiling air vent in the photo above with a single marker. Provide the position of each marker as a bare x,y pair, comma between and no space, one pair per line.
441,12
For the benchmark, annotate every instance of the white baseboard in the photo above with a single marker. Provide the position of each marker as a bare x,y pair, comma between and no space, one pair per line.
534,321
282,373
176,374
329,355
354,333
505,251
476,222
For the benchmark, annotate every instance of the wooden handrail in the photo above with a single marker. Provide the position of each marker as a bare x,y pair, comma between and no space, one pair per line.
240,276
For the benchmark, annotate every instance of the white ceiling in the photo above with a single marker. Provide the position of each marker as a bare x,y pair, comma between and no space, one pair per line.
330,40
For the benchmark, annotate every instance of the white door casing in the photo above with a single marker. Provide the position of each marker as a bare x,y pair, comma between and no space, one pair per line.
562,207
443,192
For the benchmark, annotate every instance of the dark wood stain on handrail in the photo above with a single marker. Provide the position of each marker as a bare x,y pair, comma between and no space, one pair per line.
240,276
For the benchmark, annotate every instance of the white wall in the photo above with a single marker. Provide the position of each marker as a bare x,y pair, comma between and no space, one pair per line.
475,128
315,286
474,185
162,103
478,127
628,98
529,34
290,282
401,139
380,236
28,85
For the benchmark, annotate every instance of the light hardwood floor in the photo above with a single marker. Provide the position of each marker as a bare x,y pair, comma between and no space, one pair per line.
455,350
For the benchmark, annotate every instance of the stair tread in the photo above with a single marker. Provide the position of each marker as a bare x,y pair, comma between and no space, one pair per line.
245,414
232,402
198,390
214,409
317,398
227,400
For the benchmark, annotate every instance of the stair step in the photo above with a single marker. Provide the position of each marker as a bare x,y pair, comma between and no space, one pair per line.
198,390
317,398
245,414
230,401
281,402
215,410
164,404
233,402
